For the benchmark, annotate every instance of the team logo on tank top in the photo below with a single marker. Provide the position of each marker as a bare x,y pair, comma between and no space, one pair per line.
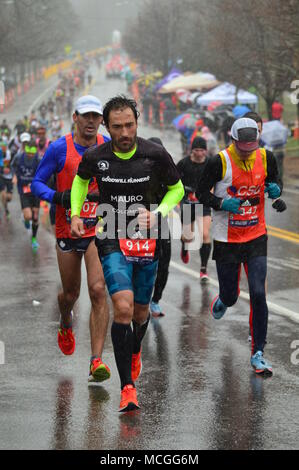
103,165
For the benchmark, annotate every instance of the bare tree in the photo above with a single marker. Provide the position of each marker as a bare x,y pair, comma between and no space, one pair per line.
157,36
32,30
245,43
252,43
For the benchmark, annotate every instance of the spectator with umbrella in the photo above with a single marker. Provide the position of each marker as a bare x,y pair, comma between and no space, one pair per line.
274,137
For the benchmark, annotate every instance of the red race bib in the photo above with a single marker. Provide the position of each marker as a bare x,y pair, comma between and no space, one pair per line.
89,210
142,248
26,189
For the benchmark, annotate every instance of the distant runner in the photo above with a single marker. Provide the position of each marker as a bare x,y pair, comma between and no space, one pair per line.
24,166
191,169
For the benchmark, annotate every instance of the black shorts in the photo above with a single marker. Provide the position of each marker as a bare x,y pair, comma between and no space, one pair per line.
240,252
6,185
80,245
29,200
189,215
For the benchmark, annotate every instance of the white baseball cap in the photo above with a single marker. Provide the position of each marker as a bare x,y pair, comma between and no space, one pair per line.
245,133
88,104
25,137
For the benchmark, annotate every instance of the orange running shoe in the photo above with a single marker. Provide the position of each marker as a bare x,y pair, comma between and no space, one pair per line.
128,401
136,366
66,340
98,371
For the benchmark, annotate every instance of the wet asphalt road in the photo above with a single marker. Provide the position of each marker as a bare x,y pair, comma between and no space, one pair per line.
197,389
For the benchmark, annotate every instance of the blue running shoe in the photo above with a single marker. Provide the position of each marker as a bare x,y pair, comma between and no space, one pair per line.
155,309
218,308
260,365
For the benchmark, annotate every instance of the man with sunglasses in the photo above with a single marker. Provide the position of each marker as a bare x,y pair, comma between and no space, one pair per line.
24,166
62,159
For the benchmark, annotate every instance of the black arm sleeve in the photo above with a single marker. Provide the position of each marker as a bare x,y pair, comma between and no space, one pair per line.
210,176
179,166
169,172
272,170
86,168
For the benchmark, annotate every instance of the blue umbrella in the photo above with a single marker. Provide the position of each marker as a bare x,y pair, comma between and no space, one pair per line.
240,110
178,122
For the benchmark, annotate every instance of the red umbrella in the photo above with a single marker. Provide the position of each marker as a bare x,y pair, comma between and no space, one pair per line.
178,122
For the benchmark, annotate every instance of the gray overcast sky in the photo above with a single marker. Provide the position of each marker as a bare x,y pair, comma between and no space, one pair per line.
98,19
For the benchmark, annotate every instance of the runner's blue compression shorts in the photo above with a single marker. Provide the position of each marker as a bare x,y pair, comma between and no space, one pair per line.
121,274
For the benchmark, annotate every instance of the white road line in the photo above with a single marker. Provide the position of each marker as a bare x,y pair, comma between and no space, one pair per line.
289,190
45,92
276,309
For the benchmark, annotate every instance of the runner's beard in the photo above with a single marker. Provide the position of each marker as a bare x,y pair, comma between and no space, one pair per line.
128,145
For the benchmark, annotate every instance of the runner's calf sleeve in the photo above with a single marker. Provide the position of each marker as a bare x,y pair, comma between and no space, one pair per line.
34,227
204,252
162,274
122,340
138,333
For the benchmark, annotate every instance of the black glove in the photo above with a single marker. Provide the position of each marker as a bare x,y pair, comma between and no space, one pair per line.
279,205
63,198
93,197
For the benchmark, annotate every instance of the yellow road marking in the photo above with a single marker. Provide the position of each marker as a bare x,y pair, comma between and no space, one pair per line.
283,237
292,237
284,232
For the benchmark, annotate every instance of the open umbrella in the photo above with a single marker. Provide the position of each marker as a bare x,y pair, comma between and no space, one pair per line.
274,134
195,81
240,111
214,105
183,95
179,121
174,73
190,122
